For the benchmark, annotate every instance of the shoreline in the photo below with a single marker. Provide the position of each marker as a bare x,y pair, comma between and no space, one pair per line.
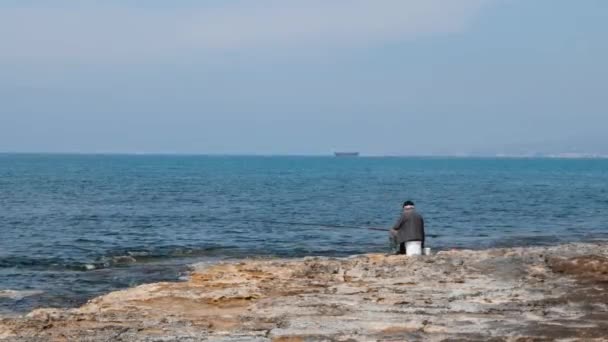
502,293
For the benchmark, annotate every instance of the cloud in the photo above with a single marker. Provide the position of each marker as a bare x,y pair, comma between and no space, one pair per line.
85,31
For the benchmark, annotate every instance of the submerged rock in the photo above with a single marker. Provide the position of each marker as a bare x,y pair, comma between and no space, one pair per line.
537,293
123,260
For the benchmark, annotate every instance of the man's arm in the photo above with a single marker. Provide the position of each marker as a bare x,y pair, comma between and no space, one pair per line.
399,223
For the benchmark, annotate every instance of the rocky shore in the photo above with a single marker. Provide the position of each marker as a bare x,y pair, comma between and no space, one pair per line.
515,294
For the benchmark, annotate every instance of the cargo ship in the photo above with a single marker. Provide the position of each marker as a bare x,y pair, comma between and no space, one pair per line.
346,154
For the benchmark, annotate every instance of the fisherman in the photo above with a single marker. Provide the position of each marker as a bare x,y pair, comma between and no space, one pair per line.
408,232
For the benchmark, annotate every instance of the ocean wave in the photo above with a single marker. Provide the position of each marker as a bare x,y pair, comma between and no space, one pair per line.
19,295
113,258
167,252
49,264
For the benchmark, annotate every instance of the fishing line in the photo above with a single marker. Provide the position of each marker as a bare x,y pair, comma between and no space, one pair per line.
291,223
307,224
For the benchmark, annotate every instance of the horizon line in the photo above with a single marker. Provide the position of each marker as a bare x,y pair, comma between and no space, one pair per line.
330,155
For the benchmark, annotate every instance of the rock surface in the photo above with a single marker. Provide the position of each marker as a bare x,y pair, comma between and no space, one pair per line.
516,294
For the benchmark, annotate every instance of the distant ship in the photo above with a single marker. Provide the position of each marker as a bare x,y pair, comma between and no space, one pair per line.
346,154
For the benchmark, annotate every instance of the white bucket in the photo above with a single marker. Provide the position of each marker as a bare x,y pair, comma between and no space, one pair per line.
413,248
427,251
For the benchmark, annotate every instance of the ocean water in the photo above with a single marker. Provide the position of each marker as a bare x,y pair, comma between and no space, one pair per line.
76,226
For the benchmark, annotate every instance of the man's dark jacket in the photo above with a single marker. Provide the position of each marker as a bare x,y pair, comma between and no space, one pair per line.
409,227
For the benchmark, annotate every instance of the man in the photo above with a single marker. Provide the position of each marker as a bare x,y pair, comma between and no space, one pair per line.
409,230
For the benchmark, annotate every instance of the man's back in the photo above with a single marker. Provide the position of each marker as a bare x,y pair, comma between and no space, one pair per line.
410,227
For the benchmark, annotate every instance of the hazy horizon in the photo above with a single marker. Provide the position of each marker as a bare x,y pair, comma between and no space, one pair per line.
384,78
325,155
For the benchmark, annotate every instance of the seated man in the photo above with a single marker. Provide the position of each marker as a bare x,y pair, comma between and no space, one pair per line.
409,230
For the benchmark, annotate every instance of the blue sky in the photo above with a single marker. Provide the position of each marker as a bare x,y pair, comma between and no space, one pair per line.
304,77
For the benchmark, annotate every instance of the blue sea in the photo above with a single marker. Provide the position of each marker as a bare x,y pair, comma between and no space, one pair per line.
76,226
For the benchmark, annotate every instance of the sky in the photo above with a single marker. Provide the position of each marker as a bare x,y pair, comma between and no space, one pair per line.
383,77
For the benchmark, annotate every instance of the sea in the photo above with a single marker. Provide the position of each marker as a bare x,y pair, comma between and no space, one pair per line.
73,227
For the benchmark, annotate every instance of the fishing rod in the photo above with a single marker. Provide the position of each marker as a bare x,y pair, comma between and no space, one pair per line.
309,224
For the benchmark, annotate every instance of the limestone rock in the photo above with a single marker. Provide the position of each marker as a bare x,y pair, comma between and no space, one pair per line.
536,293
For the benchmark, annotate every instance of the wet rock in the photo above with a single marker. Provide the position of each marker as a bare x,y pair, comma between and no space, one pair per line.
589,267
